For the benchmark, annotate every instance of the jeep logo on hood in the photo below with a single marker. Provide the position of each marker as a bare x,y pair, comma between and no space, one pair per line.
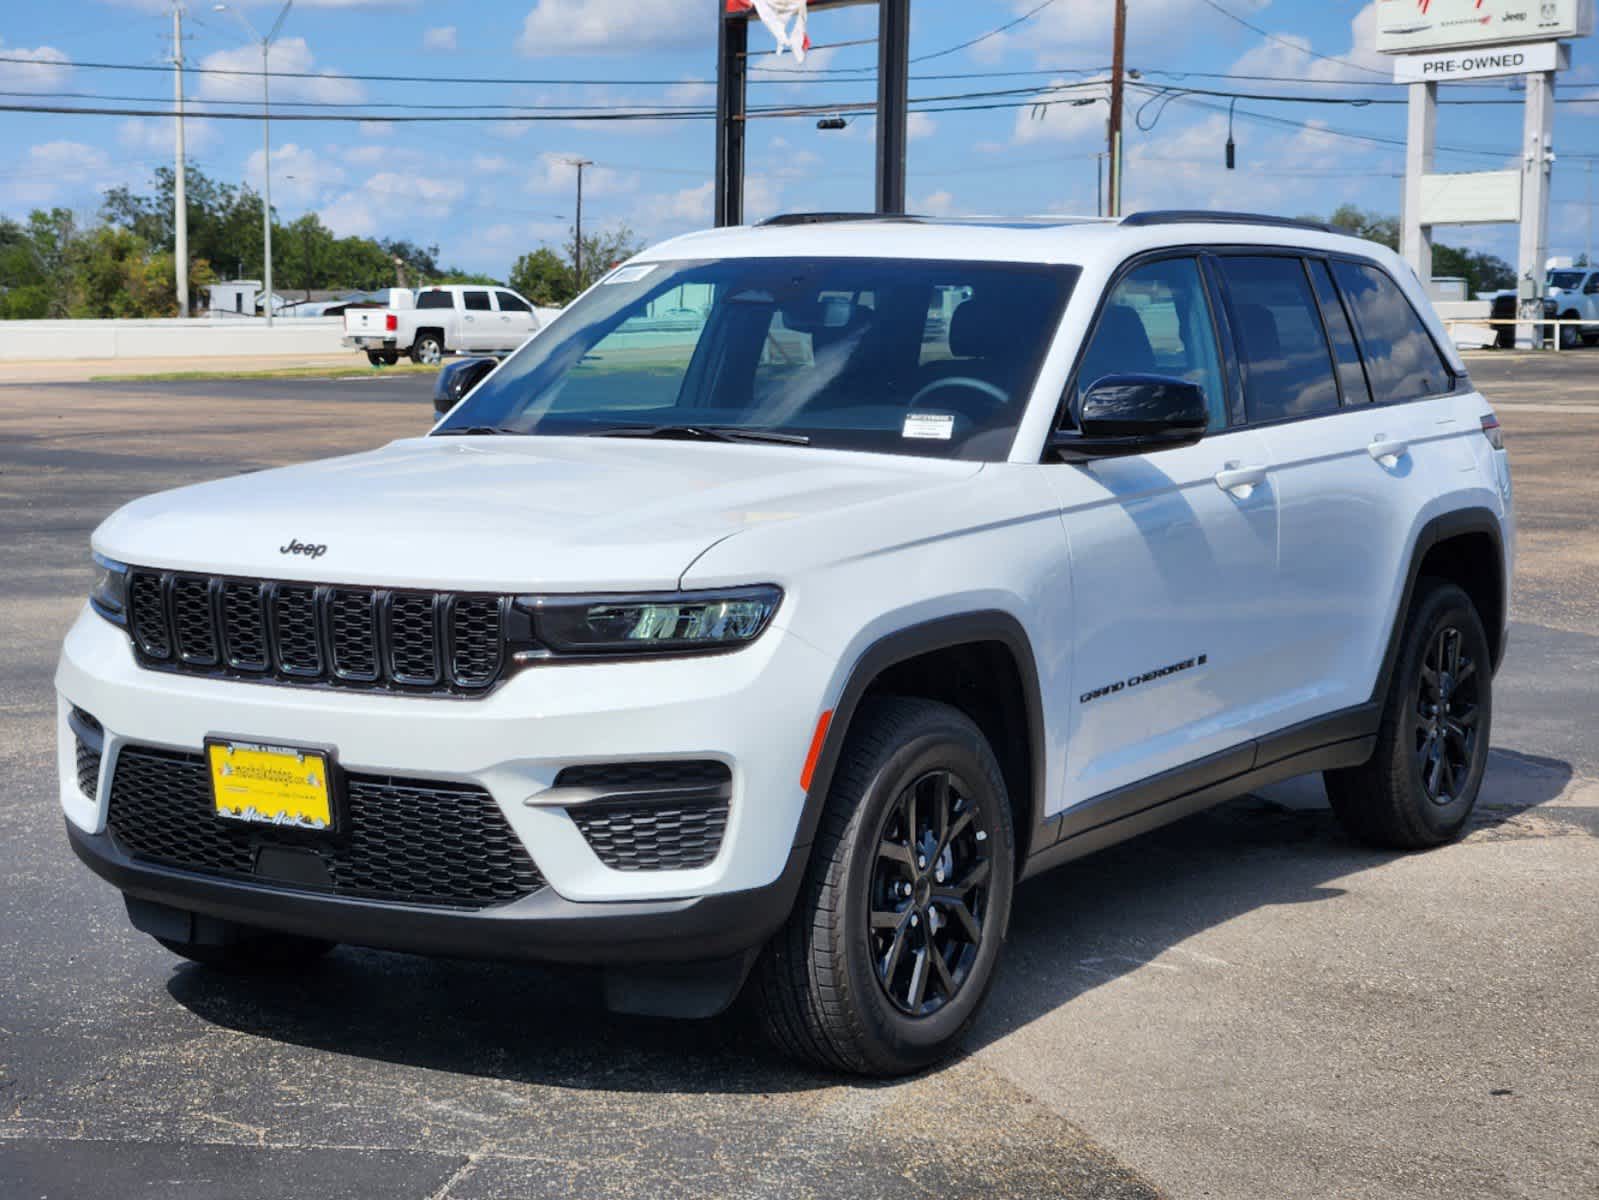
296,546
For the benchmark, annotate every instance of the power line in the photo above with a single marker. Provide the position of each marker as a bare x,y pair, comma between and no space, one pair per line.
1281,41
983,37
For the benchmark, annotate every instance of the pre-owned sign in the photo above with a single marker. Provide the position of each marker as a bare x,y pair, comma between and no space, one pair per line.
1477,64
1407,25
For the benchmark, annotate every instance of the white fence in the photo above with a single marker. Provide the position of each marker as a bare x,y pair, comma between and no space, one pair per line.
203,338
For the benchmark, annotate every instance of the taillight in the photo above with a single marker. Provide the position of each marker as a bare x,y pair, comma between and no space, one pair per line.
1491,431
391,322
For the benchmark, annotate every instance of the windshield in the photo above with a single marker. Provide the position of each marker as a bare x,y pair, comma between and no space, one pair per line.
900,356
1566,280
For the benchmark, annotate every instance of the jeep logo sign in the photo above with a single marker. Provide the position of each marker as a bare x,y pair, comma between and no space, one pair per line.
296,546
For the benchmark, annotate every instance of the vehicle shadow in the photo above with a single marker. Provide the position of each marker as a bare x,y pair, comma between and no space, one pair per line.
1072,930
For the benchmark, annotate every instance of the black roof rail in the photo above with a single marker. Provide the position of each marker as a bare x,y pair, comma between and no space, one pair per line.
826,218
1200,216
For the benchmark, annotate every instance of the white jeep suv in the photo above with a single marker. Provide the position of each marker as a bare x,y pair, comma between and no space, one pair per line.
767,649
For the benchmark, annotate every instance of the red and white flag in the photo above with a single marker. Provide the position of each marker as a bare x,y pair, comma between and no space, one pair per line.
786,20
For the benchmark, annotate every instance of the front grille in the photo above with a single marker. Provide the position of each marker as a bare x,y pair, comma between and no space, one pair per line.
407,840
640,833
314,634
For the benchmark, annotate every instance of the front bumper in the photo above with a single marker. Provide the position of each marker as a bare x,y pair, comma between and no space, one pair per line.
542,927
752,710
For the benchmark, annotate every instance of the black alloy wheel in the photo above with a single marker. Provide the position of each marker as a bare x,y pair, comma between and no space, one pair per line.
1447,714
929,893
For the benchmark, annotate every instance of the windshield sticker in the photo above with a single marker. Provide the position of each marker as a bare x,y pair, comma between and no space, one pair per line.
629,274
938,426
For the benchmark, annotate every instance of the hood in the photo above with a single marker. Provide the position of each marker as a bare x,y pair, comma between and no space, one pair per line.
502,514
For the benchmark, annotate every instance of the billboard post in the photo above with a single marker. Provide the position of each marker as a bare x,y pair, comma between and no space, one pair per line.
1421,132
1537,160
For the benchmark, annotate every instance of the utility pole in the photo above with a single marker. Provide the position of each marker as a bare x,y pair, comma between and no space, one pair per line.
1118,65
266,140
1590,213
577,245
180,200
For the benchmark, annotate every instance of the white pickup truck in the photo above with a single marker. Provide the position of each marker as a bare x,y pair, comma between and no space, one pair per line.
451,319
1575,291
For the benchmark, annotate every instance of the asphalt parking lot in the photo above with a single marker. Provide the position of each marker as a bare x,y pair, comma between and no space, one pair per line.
1243,1005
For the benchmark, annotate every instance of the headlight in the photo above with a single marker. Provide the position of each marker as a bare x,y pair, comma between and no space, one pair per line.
659,623
109,595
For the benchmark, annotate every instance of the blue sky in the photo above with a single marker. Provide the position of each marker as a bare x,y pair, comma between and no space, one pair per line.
486,192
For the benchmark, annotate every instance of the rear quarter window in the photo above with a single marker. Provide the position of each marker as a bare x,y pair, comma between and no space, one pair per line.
1401,360
435,300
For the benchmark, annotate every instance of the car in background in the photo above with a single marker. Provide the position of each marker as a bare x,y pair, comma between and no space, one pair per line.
449,319
1574,292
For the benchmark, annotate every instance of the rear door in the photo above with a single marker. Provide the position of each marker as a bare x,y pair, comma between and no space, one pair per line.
480,324
516,323
1355,467
1174,554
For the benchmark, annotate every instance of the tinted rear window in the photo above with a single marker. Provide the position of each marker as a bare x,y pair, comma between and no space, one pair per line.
1287,369
477,301
1401,360
435,300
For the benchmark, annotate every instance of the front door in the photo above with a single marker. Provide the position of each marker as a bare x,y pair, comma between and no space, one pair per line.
480,328
515,320
1174,555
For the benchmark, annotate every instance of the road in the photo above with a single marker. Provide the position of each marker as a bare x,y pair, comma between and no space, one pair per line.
1242,1005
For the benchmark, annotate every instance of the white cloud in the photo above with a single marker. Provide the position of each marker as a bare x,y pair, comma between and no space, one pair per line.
614,27
1286,55
52,170
490,164
441,38
938,204
920,125
155,136
692,205
376,128
290,54
555,173
300,176
389,203
1147,21
46,67
376,154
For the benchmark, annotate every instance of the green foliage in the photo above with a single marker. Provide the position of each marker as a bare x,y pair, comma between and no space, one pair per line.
549,278
543,277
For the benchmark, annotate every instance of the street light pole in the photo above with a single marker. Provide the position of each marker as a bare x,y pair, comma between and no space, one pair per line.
266,141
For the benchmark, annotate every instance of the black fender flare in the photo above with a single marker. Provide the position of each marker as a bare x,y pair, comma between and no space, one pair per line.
1441,529
943,633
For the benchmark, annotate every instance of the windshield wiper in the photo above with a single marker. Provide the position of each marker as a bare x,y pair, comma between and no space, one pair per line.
476,431
708,433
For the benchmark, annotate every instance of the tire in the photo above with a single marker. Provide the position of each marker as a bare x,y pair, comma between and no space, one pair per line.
375,357
1590,339
1570,335
1407,797
254,952
390,357
428,349
820,985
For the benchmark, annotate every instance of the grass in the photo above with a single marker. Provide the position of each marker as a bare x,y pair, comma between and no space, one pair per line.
350,372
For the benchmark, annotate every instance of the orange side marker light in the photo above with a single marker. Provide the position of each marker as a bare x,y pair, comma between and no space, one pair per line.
815,752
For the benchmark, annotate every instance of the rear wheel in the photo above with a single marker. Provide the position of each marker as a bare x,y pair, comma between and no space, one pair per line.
428,349
1421,783
252,951
893,942
375,357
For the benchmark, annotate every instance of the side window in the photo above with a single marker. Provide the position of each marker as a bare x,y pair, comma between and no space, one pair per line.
1157,321
1288,371
511,302
435,299
1351,375
477,301
1592,286
1400,357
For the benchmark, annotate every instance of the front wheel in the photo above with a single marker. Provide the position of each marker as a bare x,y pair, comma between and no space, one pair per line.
1570,335
1421,783
894,940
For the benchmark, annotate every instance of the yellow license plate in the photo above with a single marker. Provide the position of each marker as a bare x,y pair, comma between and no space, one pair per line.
270,785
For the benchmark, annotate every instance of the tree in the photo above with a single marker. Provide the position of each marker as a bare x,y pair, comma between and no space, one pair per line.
602,251
543,278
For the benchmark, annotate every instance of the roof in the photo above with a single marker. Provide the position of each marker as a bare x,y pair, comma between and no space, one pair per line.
1085,241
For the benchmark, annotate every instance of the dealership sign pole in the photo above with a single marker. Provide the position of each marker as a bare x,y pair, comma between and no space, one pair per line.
1443,41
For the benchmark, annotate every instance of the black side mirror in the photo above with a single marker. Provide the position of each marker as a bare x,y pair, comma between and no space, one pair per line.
458,378
1134,414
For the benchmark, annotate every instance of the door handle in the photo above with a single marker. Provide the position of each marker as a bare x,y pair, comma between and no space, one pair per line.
1240,480
1385,449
